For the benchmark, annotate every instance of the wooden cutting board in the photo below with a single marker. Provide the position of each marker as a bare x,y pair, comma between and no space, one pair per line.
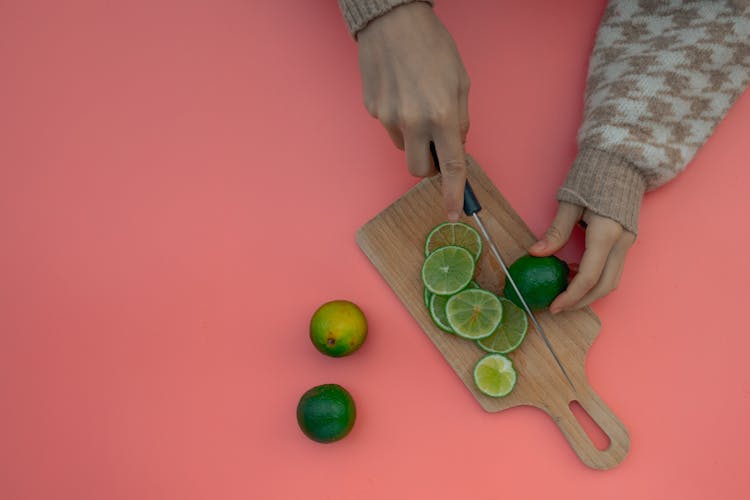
394,242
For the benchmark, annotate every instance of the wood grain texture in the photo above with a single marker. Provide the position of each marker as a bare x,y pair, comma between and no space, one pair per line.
394,242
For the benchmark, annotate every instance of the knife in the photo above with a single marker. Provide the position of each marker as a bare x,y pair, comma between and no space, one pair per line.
472,209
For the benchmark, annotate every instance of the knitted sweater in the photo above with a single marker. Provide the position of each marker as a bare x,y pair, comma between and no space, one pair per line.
662,74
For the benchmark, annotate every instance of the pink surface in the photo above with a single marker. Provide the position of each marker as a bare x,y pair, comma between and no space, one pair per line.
180,184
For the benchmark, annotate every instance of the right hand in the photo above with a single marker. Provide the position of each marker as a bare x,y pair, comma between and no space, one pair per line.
414,82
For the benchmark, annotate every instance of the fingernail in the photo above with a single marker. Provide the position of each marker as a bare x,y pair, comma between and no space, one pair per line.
453,216
555,309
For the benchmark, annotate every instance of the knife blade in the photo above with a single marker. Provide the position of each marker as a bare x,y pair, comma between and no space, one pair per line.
472,209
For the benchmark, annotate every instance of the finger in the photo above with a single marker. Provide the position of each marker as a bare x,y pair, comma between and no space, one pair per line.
612,272
450,152
463,110
558,233
418,157
600,238
607,283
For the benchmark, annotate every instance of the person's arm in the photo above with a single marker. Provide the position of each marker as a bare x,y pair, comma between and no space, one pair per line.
661,76
414,82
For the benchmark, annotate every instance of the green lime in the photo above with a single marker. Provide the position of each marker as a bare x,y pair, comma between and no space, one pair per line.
448,270
454,233
494,375
326,413
474,313
338,328
539,279
510,333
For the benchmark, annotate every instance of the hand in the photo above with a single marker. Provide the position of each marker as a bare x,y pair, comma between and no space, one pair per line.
414,82
607,243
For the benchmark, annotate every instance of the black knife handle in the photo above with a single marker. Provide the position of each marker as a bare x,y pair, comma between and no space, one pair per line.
471,204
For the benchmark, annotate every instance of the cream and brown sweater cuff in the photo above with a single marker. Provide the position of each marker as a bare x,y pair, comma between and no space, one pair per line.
661,76
358,13
607,184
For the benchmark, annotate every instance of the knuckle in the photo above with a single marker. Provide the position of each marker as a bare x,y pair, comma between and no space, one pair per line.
453,167
440,115
554,233
413,120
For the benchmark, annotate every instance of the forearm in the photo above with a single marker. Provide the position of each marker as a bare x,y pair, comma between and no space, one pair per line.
661,77
358,13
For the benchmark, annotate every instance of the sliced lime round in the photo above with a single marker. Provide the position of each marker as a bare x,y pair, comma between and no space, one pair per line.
510,333
494,375
437,312
457,234
474,313
426,295
448,270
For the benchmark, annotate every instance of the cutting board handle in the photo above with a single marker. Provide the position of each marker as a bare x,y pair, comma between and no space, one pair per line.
566,420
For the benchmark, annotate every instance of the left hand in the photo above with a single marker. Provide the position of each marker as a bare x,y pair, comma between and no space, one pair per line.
607,244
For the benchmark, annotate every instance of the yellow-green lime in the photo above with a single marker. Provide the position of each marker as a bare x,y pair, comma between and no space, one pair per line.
494,375
338,328
474,313
454,233
510,333
448,270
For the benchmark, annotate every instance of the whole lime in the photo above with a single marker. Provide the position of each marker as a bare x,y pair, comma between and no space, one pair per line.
539,279
326,413
338,328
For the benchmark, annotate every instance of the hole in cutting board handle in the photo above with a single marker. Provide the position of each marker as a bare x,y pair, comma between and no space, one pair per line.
595,433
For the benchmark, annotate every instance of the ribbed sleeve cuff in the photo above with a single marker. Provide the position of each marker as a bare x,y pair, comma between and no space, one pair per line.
358,13
606,184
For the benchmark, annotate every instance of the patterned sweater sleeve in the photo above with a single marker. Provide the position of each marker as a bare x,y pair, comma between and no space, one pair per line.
358,13
661,76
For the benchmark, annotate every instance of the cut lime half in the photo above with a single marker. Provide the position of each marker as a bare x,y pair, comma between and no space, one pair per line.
510,333
448,270
494,375
457,234
474,313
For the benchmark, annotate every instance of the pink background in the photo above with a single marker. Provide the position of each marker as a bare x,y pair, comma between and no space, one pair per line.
180,185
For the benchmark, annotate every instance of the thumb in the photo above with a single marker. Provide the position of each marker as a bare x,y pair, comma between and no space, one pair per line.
559,232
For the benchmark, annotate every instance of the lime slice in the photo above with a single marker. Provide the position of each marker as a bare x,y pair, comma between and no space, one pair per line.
454,233
437,308
510,333
474,313
494,375
427,295
437,312
448,270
